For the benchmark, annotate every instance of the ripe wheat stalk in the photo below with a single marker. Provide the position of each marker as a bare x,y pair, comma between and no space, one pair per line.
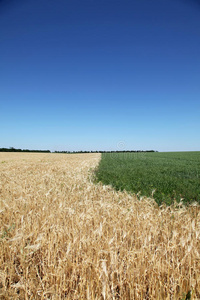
64,237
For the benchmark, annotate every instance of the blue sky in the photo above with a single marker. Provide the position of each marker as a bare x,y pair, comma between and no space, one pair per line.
100,74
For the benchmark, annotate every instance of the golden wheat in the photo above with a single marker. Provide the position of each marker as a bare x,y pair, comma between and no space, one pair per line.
63,237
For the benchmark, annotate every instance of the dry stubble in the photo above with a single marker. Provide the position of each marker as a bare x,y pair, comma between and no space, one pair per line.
63,237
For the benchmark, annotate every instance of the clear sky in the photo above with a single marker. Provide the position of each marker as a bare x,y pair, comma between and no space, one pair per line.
100,74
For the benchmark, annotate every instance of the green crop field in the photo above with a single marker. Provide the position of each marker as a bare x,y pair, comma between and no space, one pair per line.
168,176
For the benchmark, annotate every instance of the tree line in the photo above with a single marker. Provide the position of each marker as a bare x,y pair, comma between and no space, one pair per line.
12,149
105,151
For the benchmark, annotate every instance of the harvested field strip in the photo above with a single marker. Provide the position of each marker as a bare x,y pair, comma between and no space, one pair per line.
63,237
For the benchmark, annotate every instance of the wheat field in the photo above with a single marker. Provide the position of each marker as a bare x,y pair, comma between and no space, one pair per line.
64,237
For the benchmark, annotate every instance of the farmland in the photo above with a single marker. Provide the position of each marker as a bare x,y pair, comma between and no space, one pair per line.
165,176
62,236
